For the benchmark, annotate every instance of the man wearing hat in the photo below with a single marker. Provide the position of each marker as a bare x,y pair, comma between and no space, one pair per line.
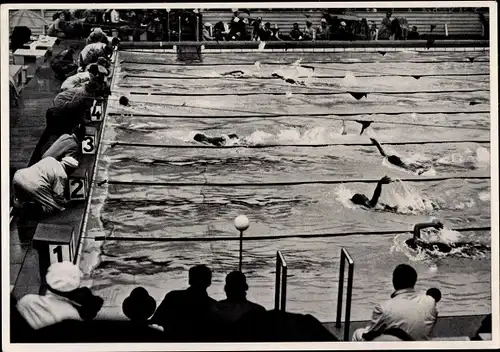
64,300
309,31
97,36
92,52
321,30
139,306
206,32
42,185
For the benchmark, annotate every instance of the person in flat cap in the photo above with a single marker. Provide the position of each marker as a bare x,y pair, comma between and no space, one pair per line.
139,306
321,30
206,32
41,187
97,36
64,299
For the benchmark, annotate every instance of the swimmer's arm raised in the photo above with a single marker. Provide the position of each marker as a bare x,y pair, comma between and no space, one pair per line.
376,194
379,147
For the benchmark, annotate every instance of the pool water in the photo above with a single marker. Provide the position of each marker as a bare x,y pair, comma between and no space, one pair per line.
291,132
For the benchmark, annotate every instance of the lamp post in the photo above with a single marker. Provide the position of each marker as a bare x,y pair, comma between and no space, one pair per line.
241,223
168,24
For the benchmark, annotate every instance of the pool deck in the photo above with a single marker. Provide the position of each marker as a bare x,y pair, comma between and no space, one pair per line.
27,123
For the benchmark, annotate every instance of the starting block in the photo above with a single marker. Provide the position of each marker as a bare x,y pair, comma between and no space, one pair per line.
78,182
89,142
55,243
189,53
96,111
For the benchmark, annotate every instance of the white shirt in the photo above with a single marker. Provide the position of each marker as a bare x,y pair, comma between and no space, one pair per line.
42,311
415,313
45,182
75,80
115,16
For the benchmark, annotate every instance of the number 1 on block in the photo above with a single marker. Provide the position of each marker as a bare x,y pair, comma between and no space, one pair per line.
59,253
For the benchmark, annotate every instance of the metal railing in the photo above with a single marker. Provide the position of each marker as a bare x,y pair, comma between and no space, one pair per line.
280,289
344,255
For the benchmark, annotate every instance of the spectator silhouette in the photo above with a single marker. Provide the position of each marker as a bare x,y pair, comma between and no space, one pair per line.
184,314
407,310
236,304
139,306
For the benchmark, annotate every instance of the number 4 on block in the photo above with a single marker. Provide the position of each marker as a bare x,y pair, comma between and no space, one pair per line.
96,111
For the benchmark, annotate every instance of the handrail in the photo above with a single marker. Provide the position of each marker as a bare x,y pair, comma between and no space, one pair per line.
281,276
344,255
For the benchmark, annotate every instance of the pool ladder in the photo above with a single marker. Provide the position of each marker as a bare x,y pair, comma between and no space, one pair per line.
345,256
281,283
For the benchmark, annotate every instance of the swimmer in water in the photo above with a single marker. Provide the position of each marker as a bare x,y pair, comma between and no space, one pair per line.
417,242
361,199
396,160
215,141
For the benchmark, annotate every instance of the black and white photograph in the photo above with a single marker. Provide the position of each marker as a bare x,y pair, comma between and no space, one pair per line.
249,176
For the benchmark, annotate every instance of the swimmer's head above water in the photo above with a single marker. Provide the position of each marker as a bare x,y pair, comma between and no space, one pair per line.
124,101
359,199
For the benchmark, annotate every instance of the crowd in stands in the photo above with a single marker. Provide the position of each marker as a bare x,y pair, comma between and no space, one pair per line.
331,27
39,189
162,24
157,24
67,313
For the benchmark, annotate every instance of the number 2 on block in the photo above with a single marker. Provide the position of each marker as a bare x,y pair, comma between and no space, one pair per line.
77,190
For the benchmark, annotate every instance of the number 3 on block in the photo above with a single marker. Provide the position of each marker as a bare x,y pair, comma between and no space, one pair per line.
96,111
77,188
88,145
59,253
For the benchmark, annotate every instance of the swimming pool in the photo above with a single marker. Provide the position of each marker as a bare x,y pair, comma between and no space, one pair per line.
295,138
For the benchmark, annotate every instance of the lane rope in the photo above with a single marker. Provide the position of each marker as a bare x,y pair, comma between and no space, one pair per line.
464,61
323,92
312,77
271,237
332,117
263,146
285,183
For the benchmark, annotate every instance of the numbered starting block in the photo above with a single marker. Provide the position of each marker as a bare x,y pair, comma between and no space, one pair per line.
78,185
96,111
89,142
54,243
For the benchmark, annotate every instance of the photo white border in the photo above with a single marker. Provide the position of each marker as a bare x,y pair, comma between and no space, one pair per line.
5,148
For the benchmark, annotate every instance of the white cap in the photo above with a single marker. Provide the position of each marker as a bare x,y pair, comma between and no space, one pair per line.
64,276
208,24
323,20
69,161
342,24
236,19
